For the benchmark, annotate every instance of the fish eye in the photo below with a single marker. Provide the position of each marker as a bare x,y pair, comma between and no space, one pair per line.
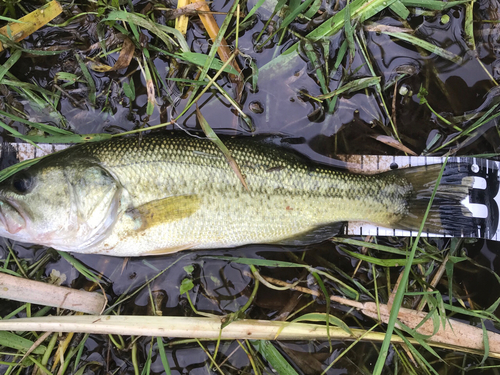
22,183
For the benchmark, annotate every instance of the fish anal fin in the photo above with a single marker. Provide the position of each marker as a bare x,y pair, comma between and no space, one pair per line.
316,235
169,250
164,210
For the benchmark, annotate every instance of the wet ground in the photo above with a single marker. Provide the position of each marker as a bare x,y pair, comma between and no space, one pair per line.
280,104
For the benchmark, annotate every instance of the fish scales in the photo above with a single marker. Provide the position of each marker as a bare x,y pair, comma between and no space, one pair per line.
169,193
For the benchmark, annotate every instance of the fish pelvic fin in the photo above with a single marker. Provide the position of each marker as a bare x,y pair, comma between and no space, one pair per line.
447,214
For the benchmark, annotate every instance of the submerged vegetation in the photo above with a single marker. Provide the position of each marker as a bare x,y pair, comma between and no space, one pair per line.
337,77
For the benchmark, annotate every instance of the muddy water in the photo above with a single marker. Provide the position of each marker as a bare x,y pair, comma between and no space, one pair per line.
278,105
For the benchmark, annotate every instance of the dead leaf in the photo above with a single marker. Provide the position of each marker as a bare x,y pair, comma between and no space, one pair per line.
378,28
31,22
223,50
181,23
389,141
187,10
126,55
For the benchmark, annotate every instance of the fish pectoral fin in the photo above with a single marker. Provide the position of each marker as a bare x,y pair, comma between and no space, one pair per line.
165,210
316,235
169,250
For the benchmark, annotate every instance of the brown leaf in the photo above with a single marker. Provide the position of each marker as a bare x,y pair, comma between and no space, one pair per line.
187,10
126,55
223,50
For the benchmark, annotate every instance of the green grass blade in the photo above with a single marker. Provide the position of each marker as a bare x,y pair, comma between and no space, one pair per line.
163,356
73,138
319,317
349,32
9,171
385,262
139,20
433,4
274,357
201,60
356,85
327,302
253,10
38,125
88,78
398,298
370,245
426,45
9,63
14,132
80,267
215,139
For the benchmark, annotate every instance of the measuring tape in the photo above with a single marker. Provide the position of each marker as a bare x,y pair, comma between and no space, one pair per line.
483,200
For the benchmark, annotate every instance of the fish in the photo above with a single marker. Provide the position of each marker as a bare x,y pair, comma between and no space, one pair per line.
163,193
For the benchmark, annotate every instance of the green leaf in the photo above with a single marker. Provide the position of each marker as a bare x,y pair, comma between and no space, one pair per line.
469,25
64,76
201,59
11,340
274,357
399,8
129,90
186,286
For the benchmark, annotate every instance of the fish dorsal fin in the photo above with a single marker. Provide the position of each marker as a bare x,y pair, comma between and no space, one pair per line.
165,210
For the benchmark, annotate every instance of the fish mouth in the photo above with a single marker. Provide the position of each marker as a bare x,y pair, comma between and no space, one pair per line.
11,218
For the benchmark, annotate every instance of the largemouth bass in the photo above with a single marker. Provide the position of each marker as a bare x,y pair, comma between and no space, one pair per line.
160,194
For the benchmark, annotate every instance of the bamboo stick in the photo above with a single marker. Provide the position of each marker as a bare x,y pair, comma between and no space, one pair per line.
204,328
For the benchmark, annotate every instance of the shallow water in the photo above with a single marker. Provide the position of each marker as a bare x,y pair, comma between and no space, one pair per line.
277,106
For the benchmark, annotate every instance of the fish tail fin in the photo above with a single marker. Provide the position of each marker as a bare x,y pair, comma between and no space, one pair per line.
447,215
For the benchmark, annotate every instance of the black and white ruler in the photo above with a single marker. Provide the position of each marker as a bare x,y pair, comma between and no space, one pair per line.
483,200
